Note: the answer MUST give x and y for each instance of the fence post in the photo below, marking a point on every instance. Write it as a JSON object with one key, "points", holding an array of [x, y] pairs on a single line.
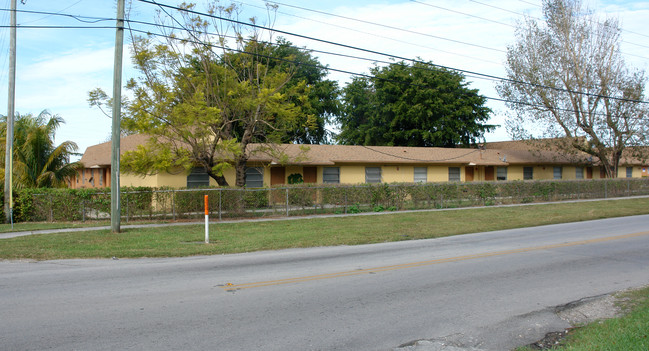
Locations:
{"points": [[127, 209], [220, 202], [51, 209], [628, 187], [287, 202], [606, 188], [83, 210], [173, 205], [345, 205]]}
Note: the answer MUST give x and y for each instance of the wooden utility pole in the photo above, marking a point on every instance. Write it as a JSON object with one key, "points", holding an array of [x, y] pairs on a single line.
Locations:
{"points": [[115, 214], [11, 111]]}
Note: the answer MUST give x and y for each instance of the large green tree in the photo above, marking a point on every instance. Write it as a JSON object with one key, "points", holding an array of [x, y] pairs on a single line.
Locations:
{"points": [[323, 93], [568, 81], [37, 161], [412, 105], [204, 97]]}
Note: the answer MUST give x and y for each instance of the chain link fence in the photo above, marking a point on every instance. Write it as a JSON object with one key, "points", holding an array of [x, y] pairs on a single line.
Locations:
{"points": [[303, 199]]}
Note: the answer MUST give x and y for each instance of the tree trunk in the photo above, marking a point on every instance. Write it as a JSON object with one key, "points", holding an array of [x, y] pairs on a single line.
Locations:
{"points": [[240, 168], [220, 179]]}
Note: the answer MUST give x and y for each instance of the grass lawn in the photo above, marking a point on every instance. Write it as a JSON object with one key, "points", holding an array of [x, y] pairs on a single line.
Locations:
{"points": [[176, 241]]}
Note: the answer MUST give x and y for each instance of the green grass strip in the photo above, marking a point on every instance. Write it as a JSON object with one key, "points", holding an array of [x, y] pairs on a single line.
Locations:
{"points": [[177, 241]]}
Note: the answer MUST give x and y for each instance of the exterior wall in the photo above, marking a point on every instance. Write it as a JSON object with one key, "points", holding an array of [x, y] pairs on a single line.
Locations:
{"points": [[516, 172], [230, 175], [352, 174], [637, 171], [397, 174], [440, 173], [137, 180], [349, 174]]}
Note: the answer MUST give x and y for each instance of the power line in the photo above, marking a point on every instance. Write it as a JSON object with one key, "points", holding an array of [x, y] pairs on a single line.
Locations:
{"points": [[378, 35], [470, 73], [52, 14], [349, 72], [153, 2], [60, 27], [299, 48], [49, 14], [463, 13], [385, 26]]}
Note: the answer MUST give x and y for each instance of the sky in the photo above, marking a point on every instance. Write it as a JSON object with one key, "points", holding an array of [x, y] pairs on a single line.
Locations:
{"points": [[57, 67]]}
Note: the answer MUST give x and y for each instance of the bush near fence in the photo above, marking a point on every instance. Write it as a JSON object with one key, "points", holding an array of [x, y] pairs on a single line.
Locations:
{"points": [[138, 203]]}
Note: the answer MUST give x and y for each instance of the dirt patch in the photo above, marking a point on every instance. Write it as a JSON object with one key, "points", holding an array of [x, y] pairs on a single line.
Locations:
{"points": [[580, 313], [550, 340]]}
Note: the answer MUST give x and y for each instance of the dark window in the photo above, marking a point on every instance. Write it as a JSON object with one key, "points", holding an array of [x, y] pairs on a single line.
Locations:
{"points": [[254, 177], [501, 173], [421, 175], [198, 178], [528, 173], [331, 175], [579, 173], [558, 172], [629, 172], [372, 174], [454, 174]]}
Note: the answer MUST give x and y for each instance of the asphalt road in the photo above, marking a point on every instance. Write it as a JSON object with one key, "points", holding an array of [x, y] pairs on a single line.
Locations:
{"points": [[489, 291]]}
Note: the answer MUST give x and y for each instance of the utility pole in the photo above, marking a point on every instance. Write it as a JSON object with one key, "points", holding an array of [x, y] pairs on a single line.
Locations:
{"points": [[11, 111], [115, 214]]}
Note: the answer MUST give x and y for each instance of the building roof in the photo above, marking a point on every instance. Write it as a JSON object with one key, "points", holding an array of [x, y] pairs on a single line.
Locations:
{"points": [[99, 155], [508, 153], [633, 155]]}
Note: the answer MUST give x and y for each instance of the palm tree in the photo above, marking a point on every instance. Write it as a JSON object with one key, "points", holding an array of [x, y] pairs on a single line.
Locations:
{"points": [[38, 163]]}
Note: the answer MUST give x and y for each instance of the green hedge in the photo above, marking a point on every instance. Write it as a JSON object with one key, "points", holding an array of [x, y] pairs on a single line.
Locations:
{"points": [[167, 203]]}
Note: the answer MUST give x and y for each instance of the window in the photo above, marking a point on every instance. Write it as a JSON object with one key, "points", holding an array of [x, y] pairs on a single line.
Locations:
{"points": [[421, 174], [528, 173], [501, 173], [254, 177], [629, 172], [331, 175], [372, 174], [558, 172], [579, 173], [198, 178], [454, 174]]}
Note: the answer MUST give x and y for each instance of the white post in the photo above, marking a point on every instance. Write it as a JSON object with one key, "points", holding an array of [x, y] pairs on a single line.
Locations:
{"points": [[207, 225]]}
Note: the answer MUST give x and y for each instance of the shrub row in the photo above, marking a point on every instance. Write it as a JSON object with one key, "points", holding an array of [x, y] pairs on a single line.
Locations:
{"points": [[166, 203]]}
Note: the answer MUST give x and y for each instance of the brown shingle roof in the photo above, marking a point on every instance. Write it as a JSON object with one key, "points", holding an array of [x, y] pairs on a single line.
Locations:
{"points": [[99, 155]]}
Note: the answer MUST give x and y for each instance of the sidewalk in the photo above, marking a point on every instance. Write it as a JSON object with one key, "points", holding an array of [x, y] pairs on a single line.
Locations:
{"points": [[7, 235]]}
